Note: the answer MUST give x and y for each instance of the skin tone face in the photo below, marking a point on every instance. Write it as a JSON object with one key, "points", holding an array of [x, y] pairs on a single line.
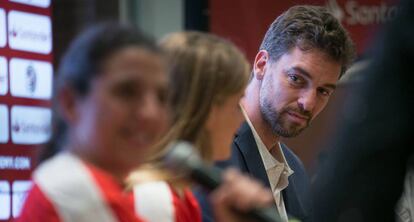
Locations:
{"points": [[225, 118], [123, 114], [295, 89]]}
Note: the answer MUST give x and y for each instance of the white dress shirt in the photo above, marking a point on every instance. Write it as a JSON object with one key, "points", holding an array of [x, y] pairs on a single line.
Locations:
{"points": [[405, 206], [276, 171]]}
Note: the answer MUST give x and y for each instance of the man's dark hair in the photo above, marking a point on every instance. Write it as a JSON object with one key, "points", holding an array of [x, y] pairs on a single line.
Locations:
{"points": [[309, 27]]}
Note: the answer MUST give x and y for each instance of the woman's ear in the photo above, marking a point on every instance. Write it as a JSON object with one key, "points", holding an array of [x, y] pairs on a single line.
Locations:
{"points": [[66, 100]]}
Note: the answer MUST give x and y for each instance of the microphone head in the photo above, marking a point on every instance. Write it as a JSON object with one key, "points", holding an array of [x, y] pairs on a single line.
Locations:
{"points": [[182, 157]]}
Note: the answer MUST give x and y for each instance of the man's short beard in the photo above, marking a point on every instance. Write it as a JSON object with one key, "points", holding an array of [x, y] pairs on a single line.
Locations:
{"points": [[275, 121]]}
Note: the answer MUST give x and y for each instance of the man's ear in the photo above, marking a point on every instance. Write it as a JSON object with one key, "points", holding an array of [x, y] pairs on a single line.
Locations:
{"points": [[259, 66], [67, 104]]}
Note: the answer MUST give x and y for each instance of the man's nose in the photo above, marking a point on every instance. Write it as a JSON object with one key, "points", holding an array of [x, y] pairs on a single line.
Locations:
{"points": [[307, 101]]}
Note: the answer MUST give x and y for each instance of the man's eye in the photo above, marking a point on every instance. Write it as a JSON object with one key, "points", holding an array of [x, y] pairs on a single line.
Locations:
{"points": [[295, 79], [324, 92]]}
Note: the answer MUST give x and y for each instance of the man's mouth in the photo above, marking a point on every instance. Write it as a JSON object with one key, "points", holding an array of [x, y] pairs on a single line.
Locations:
{"points": [[298, 116]]}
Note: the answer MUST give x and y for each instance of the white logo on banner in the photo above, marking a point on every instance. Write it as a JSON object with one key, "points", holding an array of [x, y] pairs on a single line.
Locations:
{"points": [[4, 124], [20, 191], [4, 200], [15, 163], [30, 125], [2, 28], [3, 76], [356, 14], [31, 78], [30, 32], [38, 3]]}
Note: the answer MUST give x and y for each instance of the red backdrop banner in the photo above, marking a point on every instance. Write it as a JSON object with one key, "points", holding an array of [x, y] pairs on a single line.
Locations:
{"points": [[26, 76], [245, 22]]}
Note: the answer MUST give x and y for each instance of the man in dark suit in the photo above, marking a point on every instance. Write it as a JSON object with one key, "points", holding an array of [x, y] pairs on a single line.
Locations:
{"points": [[249, 160], [301, 58]]}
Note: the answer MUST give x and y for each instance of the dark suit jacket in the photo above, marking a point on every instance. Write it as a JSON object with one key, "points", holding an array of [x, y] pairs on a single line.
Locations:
{"points": [[246, 157]]}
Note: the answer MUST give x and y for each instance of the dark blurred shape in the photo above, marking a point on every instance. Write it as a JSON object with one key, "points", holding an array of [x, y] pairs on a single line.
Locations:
{"points": [[362, 178], [196, 15], [72, 16]]}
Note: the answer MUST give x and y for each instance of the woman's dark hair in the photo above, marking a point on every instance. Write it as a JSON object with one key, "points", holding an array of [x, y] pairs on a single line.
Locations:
{"points": [[82, 62]]}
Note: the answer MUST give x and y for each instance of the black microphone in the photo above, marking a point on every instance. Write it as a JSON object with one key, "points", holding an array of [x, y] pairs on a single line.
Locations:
{"points": [[182, 157]]}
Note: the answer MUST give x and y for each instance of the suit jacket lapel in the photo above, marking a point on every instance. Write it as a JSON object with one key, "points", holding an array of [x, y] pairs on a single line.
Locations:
{"points": [[290, 194], [292, 202], [250, 159]]}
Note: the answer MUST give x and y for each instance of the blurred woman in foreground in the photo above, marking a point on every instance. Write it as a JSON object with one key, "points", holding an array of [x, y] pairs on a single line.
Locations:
{"points": [[110, 95]]}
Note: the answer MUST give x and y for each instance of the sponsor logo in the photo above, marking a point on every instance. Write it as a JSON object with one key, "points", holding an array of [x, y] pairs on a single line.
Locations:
{"points": [[354, 13], [31, 78], [3, 76], [2, 28], [30, 32], [4, 200], [20, 191], [38, 3], [30, 125], [4, 124], [15, 163]]}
